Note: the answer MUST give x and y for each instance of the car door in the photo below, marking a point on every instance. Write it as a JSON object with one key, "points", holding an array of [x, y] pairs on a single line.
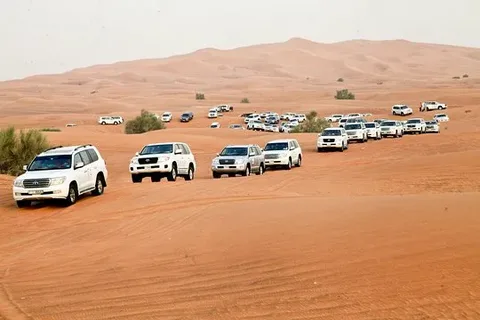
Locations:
{"points": [[253, 158], [80, 174], [259, 155], [344, 136], [89, 177], [180, 158]]}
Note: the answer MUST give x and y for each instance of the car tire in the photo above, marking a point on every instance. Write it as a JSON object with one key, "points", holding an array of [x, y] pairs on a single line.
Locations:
{"points": [[23, 203], [72, 195], [247, 171], [216, 175], [261, 170], [155, 177], [289, 165], [103, 123], [299, 161], [99, 186], [172, 176], [190, 174], [136, 178]]}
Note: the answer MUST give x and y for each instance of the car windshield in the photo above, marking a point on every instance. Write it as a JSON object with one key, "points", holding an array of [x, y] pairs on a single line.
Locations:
{"points": [[234, 151], [166, 114], [370, 125], [276, 146], [57, 162], [353, 126], [440, 115], [157, 149], [388, 124], [330, 133], [431, 122], [185, 115], [413, 121]]}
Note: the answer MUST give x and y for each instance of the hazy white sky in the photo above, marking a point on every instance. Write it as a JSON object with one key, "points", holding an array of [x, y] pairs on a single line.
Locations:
{"points": [[51, 36]]}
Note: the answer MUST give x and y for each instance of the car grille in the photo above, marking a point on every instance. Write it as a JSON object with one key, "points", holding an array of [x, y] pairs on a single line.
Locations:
{"points": [[350, 133], [36, 183], [272, 156], [147, 160], [329, 140], [411, 126], [226, 161]]}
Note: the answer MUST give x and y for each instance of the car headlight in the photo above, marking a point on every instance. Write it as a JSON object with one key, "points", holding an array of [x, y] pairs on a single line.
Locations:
{"points": [[239, 161], [163, 158], [57, 181], [215, 161], [134, 161], [18, 183]]}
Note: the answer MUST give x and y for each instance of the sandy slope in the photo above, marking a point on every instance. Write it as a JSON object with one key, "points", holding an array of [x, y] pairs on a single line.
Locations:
{"points": [[387, 230]]}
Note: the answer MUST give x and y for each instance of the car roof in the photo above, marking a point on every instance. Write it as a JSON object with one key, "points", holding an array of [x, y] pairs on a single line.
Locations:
{"points": [[239, 145], [159, 143], [60, 150], [280, 140]]}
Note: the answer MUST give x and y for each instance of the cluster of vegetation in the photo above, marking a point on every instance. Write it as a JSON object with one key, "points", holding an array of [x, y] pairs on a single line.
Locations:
{"points": [[19, 148], [245, 100], [465, 76], [199, 96], [457, 77], [50, 130], [344, 94], [312, 124], [145, 122], [340, 80]]}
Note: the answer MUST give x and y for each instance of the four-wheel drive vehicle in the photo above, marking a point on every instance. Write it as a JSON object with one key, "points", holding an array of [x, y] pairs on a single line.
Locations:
{"points": [[285, 153], [212, 113], [239, 159], [391, 128], [158, 160], [356, 132], [332, 138], [110, 120], [432, 126], [256, 125], [415, 125], [61, 173], [167, 117], [334, 117], [401, 110], [432, 105], [441, 117], [186, 116], [252, 117], [373, 130]]}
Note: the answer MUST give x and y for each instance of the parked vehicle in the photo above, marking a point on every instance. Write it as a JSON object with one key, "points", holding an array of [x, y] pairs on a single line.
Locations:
{"points": [[432, 105], [159, 160], [212, 113], [284, 153], [356, 132], [61, 173], [415, 125], [238, 159], [215, 125], [167, 116], [334, 117], [112, 120], [237, 127], [401, 110], [441, 117], [256, 125], [186, 117], [252, 117], [432, 126]]}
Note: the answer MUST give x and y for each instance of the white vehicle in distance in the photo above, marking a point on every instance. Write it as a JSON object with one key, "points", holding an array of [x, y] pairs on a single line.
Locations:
{"points": [[215, 125], [432, 105], [283, 153], [334, 117], [441, 117], [236, 127], [354, 115], [252, 117], [114, 120], [332, 138], [401, 110], [300, 117], [159, 160], [256, 125], [432, 126], [373, 130], [342, 122], [392, 128], [356, 132], [167, 116], [287, 127], [61, 173], [213, 113], [287, 116], [415, 125]]}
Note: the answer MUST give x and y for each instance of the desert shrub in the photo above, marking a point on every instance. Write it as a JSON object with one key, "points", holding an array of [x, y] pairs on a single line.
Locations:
{"points": [[456, 77], [50, 130], [19, 149], [245, 100], [199, 96], [311, 124], [145, 122], [340, 80], [465, 76], [344, 94]]}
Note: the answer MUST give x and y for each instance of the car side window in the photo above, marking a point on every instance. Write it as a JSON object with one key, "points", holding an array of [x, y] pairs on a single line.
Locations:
{"points": [[251, 150], [295, 143], [184, 149], [93, 155], [77, 159], [177, 147], [258, 151], [85, 157]]}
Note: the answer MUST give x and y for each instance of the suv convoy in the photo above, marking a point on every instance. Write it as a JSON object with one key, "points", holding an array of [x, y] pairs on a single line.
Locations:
{"points": [[415, 125], [285, 153], [61, 173], [401, 110], [332, 138], [110, 120], [159, 160], [239, 159], [432, 105], [356, 132], [373, 130], [392, 128]]}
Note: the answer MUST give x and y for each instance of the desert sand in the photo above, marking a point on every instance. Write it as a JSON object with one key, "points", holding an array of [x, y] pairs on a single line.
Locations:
{"points": [[389, 229]]}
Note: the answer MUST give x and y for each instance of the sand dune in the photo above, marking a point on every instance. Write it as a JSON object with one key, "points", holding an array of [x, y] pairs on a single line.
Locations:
{"points": [[386, 230]]}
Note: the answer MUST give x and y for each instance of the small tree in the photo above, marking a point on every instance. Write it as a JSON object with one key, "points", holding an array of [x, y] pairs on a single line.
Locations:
{"points": [[145, 122], [340, 80], [311, 124], [344, 94], [17, 150], [456, 77], [465, 76], [245, 100], [199, 96]]}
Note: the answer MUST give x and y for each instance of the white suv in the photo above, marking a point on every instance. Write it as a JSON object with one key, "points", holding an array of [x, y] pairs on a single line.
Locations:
{"points": [[256, 125], [415, 125], [110, 120], [158, 160], [61, 173], [432, 105], [356, 131], [167, 116], [401, 110], [392, 128], [332, 138], [285, 153], [373, 130]]}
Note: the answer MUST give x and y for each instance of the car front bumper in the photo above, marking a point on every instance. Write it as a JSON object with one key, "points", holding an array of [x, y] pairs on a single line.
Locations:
{"points": [[335, 144], [228, 168], [277, 162], [37, 194], [162, 167], [388, 132]]}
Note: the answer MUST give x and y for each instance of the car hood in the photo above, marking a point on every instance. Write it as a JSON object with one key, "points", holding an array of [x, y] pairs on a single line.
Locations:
{"points": [[230, 157], [43, 174], [274, 151]]}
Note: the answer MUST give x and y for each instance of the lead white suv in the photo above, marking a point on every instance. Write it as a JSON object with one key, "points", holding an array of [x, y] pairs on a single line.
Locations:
{"points": [[158, 160], [332, 138], [432, 105], [110, 120], [401, 110], [415, 125], [61, 173], [285, 153]]}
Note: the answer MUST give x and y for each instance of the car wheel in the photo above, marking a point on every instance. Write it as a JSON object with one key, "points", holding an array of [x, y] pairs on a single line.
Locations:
{"points": [[289, 165], [23, 203], [216, 175], [246, 173], [103, 123], [299, 161], [99, 186], [172, 176], [136, 178], [72, 195], [115, 123], [260, 170], [190, 174], [155, 177]]}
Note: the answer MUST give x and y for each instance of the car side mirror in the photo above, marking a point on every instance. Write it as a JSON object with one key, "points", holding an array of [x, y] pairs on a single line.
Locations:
{"points": [[218, 154], [262, 150], [252, 154], [24, 168], [79, 165], [292, 148], [137, 154]]}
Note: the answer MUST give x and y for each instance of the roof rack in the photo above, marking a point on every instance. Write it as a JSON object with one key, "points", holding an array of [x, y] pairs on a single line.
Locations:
{"points": [[82, 146], [56, 147]]}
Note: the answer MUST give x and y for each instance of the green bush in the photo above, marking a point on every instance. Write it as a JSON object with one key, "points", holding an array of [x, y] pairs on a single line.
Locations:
{"points": [[340, 80], [465, 75], [145, 122], [50, 130], [17, 150], [312, 124], [456, 77], [245, 100], [344, 94], [199, 96]]}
